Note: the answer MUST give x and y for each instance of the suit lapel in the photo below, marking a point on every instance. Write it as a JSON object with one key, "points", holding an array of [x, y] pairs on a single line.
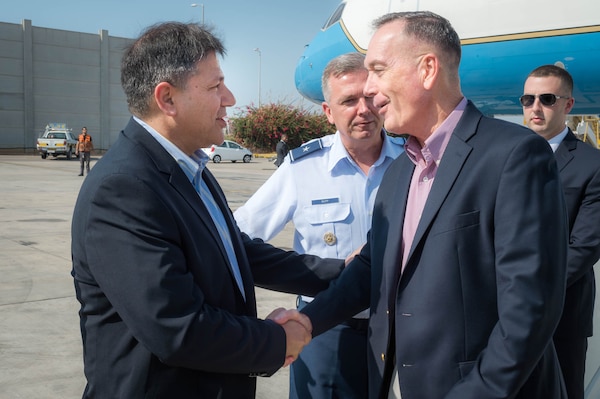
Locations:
{"points": [[453, 159], [166, 165], [398, 176], [180, 183], [236, 240], [563, 153]]}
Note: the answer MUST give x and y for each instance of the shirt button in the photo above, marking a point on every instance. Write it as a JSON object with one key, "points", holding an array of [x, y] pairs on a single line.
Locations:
{"points": [[329, 238], [426, 179]]}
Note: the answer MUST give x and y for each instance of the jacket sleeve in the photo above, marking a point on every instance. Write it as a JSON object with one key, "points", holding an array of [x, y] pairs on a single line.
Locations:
{"points": [[584, 240]]}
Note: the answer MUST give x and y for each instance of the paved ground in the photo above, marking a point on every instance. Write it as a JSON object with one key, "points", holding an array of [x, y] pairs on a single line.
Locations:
{"points": [[40, 344]]}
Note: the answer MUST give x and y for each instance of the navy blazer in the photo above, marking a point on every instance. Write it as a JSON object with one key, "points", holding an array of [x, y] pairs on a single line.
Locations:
{"points": [[579, 167], [473, 314], [161, 314]]}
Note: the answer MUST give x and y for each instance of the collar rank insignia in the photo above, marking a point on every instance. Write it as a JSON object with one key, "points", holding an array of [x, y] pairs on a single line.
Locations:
{"points": [[305, 149]]}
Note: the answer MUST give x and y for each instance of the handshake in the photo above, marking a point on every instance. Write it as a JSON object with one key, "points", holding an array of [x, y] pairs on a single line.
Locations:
{"points": [[298, 331]]}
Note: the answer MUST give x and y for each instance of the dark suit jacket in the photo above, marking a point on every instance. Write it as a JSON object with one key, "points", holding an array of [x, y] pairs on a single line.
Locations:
{"points": [[473, 313], [161, 314], [282, 150], [579, 167]]}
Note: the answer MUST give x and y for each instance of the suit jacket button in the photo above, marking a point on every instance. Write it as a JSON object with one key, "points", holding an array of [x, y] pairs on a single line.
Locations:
{"points": [[383, 357]]}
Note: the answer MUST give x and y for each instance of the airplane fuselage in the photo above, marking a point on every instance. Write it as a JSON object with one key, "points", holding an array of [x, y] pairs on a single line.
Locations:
{"points": [[502, 42]]}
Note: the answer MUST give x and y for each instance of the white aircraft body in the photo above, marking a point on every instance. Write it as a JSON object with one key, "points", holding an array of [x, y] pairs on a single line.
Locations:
{"points": [[503, 40]]}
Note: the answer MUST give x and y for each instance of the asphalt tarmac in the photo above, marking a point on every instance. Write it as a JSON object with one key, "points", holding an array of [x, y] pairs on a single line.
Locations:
{"points": [[40, 342]]}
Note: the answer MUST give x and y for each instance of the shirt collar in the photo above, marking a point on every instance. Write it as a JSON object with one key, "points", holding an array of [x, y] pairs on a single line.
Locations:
{"points": [[191, 165], [436, 144], [339, 152], [556, 140]]}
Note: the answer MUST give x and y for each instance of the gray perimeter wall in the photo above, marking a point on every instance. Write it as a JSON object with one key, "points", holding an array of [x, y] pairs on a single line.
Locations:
{"points": [[51, 75]]}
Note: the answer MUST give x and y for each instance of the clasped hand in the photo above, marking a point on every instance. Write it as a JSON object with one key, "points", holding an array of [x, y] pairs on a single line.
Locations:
{"points": [[298, 331]]}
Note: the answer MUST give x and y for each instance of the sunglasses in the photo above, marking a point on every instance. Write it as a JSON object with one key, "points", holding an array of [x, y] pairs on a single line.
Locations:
{"points": [[548, 100]]}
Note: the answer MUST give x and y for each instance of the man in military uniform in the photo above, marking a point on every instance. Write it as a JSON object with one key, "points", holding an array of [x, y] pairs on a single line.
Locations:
{"points": [[327, 187], [84, 149]]}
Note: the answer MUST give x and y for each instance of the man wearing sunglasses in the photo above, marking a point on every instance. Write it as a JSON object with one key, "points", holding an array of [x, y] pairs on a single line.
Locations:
{"points": [[546, 103]]}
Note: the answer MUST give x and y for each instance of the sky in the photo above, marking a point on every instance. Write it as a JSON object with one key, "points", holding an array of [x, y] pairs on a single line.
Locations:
{"points": [[279, 28]]}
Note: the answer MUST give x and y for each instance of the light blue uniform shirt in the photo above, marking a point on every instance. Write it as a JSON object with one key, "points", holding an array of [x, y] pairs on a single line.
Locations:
{"points": [[325, 194]]}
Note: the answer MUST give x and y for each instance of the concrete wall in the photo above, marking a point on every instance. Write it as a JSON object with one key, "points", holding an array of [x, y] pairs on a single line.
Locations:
{"points": [[51, 75]]}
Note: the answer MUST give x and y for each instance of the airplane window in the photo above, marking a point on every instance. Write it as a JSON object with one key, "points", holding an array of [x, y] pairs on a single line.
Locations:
{"points": [[337, 14]]}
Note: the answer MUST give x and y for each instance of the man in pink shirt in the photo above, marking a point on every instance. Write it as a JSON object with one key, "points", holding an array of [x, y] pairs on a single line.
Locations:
{"points": [[463, 269]]}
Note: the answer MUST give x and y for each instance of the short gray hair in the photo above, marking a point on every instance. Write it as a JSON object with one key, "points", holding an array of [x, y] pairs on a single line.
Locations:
{"points": [[430, 28], [341, 65]]}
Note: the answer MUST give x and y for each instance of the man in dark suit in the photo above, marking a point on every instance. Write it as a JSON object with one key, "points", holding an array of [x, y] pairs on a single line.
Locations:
{"points": [[547, 100], [463, 269], [164, 277], [281, 149]]}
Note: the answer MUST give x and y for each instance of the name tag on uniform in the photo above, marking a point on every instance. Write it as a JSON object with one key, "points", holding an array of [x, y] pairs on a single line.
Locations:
{"points": [[325, 201]]}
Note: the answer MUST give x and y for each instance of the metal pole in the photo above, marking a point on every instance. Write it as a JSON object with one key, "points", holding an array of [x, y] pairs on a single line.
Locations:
{"points": [[259, 73], [199, 5]]}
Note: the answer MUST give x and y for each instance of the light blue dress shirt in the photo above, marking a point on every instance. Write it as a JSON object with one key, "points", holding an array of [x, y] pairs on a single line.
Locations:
{"points": [[325, 194]]}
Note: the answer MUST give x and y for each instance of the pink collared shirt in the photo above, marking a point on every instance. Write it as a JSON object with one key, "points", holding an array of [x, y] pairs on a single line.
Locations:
{"points": [[427, 160]]}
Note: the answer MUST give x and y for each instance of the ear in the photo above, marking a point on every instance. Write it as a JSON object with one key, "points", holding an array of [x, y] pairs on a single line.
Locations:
{"points": [[163, 96], [327, 111], [569, 105], [429, 69]]}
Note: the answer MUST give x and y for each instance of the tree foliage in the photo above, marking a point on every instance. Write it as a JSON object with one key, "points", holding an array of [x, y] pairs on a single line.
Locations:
{"points": [[260, 128]]}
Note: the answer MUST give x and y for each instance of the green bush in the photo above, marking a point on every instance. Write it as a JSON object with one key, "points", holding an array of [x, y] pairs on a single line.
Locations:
{"points": [[260, 128]]}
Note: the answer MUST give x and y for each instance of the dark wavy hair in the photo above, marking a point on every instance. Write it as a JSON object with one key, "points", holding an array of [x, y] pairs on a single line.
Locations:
{"points": [[165, 52]]}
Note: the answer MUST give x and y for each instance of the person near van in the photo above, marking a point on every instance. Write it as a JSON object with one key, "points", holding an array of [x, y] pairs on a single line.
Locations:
{"points": [[84, 150]]}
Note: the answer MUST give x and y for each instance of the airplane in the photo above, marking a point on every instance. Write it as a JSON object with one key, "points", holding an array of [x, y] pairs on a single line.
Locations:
{"points": [[502, 41]]}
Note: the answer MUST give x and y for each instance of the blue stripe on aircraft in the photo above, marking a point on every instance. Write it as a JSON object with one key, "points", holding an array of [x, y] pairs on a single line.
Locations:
{"points": [[492, 73]]}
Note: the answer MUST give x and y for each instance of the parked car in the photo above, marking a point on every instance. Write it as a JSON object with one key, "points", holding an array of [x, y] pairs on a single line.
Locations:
{"points": [[228, 151]]}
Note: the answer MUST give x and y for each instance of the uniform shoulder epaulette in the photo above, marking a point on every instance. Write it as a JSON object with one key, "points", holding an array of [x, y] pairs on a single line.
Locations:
{"points": [[305, 149]]}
